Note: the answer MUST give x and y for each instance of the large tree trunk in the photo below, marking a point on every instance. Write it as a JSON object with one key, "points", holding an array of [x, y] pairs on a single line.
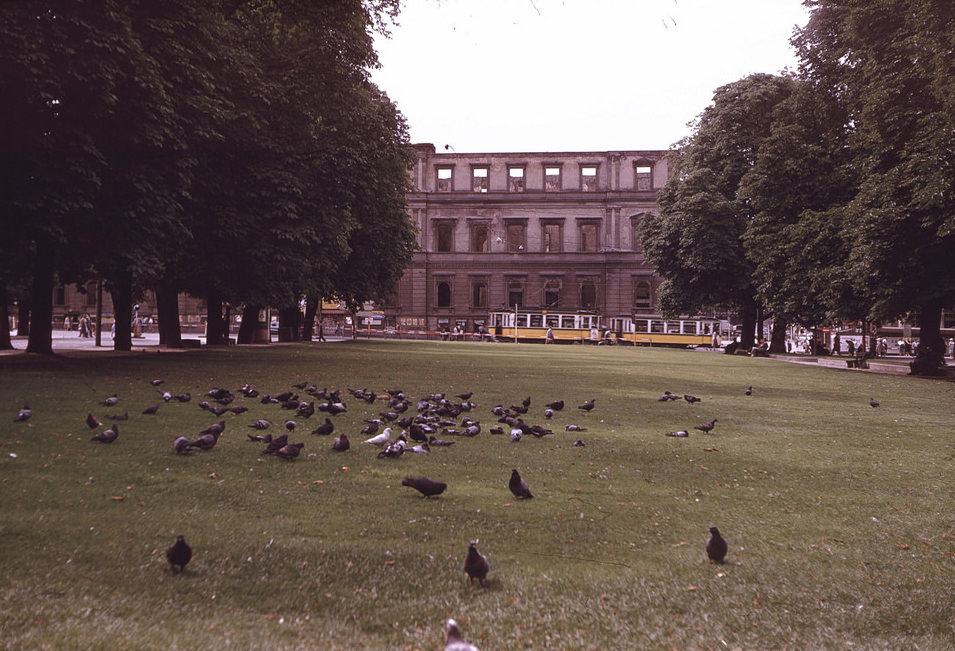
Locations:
{"points": [[777, 343], [311, 308], [215, 325], [748, 316], [931, 355], [290, 323], [41, 294], [23, 317], [5, 342], [250, 319], [121, 289], [167, 304]]}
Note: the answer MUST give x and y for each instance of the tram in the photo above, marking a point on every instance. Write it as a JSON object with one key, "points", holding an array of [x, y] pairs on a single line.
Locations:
{"points": [[588, 327]]}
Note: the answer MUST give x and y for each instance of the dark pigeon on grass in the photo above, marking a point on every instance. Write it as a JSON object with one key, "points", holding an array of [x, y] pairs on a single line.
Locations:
{"points": [[557, 405], [23, 415], [575, 428], [476, 564], [183, 397], [122, 416], [107, 435], [325, 428], [237, 409], [341, 443], [518, 486], [425, 486], [182, 445], [716, 546], [276, 444], [706, 428], [306, 409], [260, 438], [749, 391], [455, 641], [465, 396], [290, 425], [691, 399], [873, 402], [261, 423], [587, 406], [92, 421], [667, 397], [109, 402], [579, 443], [206, 441], [151, 409], [215, 428], [289, 451], [179, 554], [439, 442]]}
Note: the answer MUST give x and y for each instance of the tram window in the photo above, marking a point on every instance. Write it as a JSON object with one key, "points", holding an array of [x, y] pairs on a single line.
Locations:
{"points": [[552, 321], [536, 320], [641, 325], [566, 322], [689, 327], [673, 327], [521, 320], [656, 326]]}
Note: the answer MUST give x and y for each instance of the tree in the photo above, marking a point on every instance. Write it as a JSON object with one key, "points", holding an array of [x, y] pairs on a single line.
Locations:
{"points": [[696, 242], [891, 65]]}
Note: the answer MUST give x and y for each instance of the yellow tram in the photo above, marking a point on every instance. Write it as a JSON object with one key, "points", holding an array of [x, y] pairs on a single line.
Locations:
{"points": [[529, 326]]}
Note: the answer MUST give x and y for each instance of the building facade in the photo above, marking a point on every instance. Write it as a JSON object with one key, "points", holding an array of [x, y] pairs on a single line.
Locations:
{"points": [[533, 231]]}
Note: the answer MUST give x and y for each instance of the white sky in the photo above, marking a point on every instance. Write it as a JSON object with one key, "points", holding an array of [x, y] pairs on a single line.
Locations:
{"points": [[574, 75]]}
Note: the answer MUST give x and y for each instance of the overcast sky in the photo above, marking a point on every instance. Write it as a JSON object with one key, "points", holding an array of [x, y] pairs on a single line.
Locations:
{"points": [[574, 75]]}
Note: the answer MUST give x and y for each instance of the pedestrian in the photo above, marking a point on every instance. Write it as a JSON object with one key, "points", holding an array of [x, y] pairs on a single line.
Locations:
{"points": [[321, 331], [851, 347], [549, 337], [836, 344]]}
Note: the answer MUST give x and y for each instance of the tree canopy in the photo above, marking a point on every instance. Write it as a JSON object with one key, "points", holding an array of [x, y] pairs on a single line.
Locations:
{"points": [[233, 148]]}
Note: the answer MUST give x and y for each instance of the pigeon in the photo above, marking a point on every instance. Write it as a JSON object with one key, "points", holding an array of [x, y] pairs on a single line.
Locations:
{"points": [[455, 641], [260, 424], [575, 428], [476, 564], [107, 436], [716, 546], [557, 405], [587, 406], [370, 429], [749, 391], [873, 402], [439, 442], [425, 486], [215, 428], [465, 396], [706, 428], [290, 425], [156, 383], [237, 409], [691, 399], [179, 554], [182, 445], [166, 396], [680, 433], [183, 397], [518, 486], [548, 413], [668, 396], [424, 448], [122, 416], [306, 409], [579, 443], [92, 421], [324, 429], [206, 441], [301, 385], [380, 440], [516, 435], [109, 402], [289, 451], [151, 409], [260, 438], [340, 444]]}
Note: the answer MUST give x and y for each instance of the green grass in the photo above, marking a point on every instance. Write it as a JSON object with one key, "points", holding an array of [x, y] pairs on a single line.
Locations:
{"points": [[838, 515]]}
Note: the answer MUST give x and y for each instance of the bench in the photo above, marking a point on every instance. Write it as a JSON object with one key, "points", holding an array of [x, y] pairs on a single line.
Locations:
{"points": [[857, 362]]}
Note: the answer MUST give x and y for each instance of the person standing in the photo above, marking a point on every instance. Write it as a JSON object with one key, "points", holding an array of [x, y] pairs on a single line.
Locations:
{"points": [[321, 331], [549, 337]]}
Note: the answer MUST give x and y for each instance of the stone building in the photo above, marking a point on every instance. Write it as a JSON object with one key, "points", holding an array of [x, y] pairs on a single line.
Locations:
{"points": [[539, 231]]}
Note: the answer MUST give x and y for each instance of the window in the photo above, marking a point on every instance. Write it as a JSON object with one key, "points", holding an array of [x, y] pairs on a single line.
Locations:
{"points": [[515, 293], [641, 294], [588, 178], [479, 238], [552, 293], [515, 178], [551, 237], [444, 294], [516, 235], [588, 294], [445, 179], [479, 179], [587, 240], [444, 237], [551, 178], [643, 175], [635, 243], [479, 293]]}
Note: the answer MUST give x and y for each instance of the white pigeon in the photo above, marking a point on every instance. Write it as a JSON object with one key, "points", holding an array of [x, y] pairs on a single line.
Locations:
{"points": [[380, 440], [424, 448], [516, 435], [455, 641]]}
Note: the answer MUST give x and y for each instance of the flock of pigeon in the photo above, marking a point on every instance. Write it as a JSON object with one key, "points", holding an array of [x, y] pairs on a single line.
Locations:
{"points": [[433, 424]]}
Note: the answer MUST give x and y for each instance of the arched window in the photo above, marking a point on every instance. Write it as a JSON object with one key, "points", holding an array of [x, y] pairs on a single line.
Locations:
{"points": [[515, 293], [588, 295], [444, 294]]}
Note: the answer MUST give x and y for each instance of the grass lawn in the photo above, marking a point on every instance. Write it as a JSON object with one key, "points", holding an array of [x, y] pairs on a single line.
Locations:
{"points": [[838, 515]]}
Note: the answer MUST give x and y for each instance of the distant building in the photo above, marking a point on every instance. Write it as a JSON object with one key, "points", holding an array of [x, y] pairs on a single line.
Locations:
{"points": [[537, 231]]}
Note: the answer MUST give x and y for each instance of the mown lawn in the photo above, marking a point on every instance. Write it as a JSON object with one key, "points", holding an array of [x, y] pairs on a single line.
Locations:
{"points": [[838, 515]]}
